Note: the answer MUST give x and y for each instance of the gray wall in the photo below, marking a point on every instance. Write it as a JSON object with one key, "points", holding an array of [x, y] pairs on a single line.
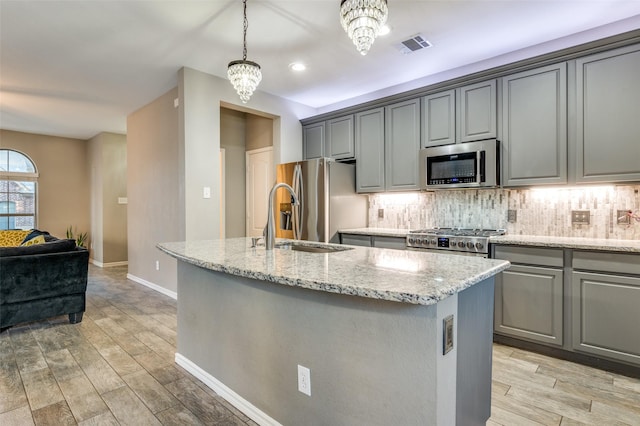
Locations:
{"points": [[259, 132], [362, 352], [107, 154], [172, 153], [153, 184], [63, 185]]}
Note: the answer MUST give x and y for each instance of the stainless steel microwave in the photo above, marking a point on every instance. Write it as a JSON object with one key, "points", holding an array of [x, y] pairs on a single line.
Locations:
{"points": [[462, 165]]}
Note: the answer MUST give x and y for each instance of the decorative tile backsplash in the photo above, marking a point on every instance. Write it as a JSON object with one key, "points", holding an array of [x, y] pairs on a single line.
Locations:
{"points": [[539, 211]]}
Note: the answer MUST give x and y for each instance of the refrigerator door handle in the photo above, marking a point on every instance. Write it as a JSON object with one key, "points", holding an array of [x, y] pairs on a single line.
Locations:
{"points": [[299, 190]]}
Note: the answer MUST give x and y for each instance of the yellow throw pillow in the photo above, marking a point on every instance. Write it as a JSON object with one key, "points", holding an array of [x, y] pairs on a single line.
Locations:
{"points": [[35, 240], [12, 237]]}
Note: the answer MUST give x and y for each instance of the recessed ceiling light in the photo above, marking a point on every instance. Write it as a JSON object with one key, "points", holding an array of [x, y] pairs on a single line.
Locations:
{"points": [[297, 66], [384, 30]]}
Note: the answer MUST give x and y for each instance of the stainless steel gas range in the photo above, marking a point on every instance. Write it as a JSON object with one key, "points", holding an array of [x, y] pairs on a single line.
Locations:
{"points": [[473, 242]]}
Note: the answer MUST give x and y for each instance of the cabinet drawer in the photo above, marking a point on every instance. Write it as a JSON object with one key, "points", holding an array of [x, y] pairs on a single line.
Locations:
{"points": [[356, 240], [606, 315], [397, 243], [530, 255], [607, 262]]}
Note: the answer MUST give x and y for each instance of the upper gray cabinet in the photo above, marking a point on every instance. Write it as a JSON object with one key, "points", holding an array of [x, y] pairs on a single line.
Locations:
{"points": [[313, 141], [438, 119], [369, 134], [534, 126], [340, 138], [402, 144], [476, 112], [607, 116], [387, 145], [332, 138]]}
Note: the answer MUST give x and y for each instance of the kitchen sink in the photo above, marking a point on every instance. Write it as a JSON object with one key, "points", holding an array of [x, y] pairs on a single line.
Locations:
{"points": [[311, 248]]}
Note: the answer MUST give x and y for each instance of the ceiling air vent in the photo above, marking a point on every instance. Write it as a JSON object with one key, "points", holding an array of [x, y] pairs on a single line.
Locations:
{"points": [[416, 42]]}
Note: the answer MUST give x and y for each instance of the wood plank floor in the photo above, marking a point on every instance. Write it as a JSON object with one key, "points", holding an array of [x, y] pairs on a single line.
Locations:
{"points": [[117, 367]]}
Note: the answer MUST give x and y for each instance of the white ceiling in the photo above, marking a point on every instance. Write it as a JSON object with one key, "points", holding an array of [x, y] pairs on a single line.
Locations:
{"points": [[75, 68]]}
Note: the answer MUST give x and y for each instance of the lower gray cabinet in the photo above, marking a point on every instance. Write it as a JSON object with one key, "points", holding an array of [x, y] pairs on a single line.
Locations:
{"points": [[529, 296], [606, 305], [355, 240], [529, 303], [380, 241]]}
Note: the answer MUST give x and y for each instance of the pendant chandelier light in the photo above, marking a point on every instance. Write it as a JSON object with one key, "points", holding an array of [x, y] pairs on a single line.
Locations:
{"points": [[362, 20], [244, 75]]}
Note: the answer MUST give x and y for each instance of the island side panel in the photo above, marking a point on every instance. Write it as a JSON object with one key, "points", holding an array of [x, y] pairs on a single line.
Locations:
{"points": [[372, 362], [475, 346]]}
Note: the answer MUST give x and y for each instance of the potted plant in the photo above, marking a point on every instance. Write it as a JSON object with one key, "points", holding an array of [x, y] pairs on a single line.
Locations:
{"points": [[81, 238]]}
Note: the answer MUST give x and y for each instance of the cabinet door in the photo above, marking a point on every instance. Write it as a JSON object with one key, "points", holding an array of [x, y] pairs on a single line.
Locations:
{"points": [[534, 134], [370, 150], [476, 112], [528, 303], [608, 128], [402, 144], [438, 119], [606, 315], [313, 141], [340, 138]]}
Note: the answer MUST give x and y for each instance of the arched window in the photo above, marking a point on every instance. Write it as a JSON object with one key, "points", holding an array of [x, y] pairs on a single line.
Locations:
{"points": [[18, 186]]}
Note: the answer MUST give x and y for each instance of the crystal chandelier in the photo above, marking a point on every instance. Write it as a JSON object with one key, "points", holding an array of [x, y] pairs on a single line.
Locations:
{"points": [[362, 20], [244, 75]]}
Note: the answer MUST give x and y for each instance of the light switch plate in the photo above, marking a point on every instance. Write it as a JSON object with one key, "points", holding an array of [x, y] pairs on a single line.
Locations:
{"points": [[380, 213], [206, 192], [580, 217], [512, 216], [622, 217]]}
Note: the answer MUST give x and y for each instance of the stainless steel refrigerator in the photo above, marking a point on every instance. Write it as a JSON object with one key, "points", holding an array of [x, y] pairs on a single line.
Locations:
{"points": [[328, 200]]}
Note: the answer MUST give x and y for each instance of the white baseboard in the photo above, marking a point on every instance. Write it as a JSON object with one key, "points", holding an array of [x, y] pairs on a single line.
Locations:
{"points": [[110, 264], [156, 287], [250, 410]]}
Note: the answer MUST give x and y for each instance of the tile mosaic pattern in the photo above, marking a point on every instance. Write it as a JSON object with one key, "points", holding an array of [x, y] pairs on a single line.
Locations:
{"points": [[540, 211]]}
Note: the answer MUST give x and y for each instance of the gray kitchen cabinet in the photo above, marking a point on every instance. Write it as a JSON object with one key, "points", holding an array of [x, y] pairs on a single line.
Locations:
{"points": [[383, 241], [529, 297], [606, 296], [402, 144], [356, 240], [370, 150], [607, 124], [313, 141], [438, 119], [476, 112], [534, 126], [380, 241], [340, 138]]}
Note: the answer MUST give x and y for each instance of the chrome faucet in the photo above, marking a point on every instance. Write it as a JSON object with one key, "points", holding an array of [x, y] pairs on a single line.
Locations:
{"points": [[269, 230]]}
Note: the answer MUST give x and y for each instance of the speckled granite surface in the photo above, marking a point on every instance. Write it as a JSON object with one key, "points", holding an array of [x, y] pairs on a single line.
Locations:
{"points": [[382, 232], [395, 275], [628, 246]]}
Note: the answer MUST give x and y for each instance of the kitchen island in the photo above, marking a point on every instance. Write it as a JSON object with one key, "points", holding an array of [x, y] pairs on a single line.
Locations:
{"points": [[366, 322]]}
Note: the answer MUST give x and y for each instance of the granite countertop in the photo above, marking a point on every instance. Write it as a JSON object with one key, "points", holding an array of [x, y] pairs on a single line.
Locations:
{"points": [[382, 232], [395, 275], [601, 244]]}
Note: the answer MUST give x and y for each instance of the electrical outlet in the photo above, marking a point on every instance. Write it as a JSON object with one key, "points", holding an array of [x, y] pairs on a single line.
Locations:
{"points": [[512, 216], [157, 265], [448, 334], [380, 213], [304, 380], [580, 217], [623, 218]]}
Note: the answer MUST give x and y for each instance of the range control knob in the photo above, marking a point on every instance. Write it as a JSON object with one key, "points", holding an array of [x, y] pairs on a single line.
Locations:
{"points": [[411, 240], [470, 245], [460, 243], [479, 246], [432, 241]]}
